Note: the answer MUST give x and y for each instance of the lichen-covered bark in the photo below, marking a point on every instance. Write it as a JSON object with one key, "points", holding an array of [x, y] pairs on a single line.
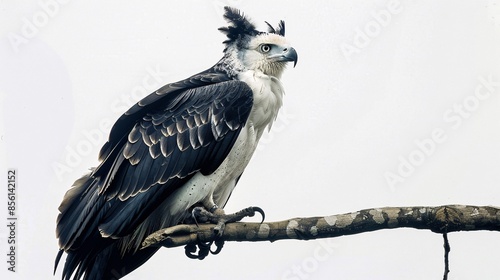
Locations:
{"points": [[441, 219]]}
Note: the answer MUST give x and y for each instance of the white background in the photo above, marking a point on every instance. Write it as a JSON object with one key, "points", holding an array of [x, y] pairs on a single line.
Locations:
{"points": [[67, 68]]}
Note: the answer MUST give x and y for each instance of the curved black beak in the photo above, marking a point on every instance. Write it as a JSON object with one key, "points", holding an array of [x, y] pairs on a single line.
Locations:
{"points": [[289, 54]]}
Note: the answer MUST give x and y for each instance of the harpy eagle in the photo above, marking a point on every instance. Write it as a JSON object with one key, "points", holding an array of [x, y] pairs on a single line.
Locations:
{"points": [[175, 156]]}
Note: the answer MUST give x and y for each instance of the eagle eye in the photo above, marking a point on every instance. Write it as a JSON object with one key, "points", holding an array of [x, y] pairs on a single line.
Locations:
{"points": [[265, 48]]}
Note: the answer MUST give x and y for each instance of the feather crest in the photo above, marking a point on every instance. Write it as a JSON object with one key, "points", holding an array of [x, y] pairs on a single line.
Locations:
{"points": [[240, 26]]}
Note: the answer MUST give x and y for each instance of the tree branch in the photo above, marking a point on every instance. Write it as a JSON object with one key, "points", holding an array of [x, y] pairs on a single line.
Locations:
{"points": [[441, 219], [446, 256]]}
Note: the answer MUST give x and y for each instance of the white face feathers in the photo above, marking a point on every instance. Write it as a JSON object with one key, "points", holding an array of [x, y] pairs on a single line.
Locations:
{"points": [[264, 53], [250, 50]]}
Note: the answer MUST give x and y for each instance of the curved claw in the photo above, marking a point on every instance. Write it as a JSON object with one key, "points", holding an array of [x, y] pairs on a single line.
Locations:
{"points": [[202, 248], [260, 211], [189, 250], [219, 244], [197, 213]]}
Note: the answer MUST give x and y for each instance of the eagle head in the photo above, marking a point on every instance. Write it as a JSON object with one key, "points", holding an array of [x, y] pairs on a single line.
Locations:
{"points": [[250, 49]]}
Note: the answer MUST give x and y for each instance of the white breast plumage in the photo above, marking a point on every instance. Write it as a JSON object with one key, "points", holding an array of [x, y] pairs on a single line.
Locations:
{"points": [[268, 95], [268, 98]]}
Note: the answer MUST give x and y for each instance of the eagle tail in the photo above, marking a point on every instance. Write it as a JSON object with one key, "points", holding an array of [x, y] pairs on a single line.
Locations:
{"points": [[89, 255], [109, 263]]}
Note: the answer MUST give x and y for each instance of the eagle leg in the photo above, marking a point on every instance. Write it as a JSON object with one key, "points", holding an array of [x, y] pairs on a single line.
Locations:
{"points": [[219, 218]]}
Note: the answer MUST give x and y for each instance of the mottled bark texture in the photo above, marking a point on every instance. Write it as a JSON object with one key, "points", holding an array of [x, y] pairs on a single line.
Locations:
{"points": [[440, 219]]}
